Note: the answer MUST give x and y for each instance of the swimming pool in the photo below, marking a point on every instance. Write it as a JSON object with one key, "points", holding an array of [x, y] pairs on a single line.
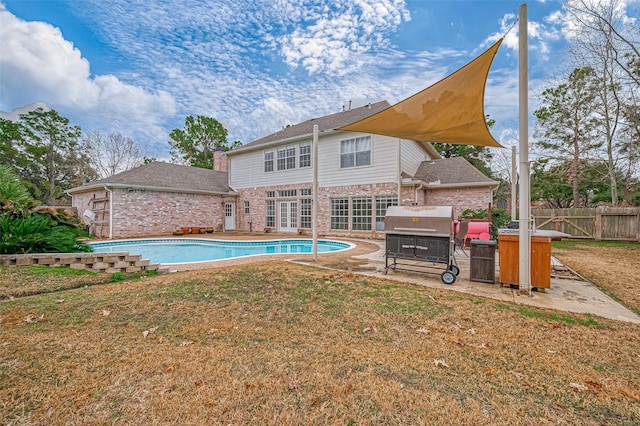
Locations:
{"points": [[193, 250]]}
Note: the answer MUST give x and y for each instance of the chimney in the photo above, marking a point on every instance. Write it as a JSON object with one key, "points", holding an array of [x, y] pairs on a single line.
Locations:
{"points": [[220, 160], [349, 105]]}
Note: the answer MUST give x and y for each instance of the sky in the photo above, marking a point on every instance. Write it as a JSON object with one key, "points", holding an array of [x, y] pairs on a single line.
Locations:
{"points": [[139, 68]]}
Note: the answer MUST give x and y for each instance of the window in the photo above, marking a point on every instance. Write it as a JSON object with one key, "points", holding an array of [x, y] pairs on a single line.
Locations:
{"points": [[305, 213], [305, 192], [339, 213], [305, 155], [361, 213], [287, 193], [246, 207], [271, 194], [270, 219], [355, 152], [268, 161], [381, 209], [287, 158]]}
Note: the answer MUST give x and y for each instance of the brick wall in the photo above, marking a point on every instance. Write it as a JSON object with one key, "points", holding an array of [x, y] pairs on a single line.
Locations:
{"points": [[141, 213], [461, 199], [257, 205]]}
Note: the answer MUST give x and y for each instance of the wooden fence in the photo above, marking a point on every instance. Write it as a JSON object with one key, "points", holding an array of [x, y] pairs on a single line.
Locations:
{"points": [[599, 223]]}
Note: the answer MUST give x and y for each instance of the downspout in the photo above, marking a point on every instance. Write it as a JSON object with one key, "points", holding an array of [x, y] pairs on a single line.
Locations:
{"points": [[110, 211], [415, 193]]}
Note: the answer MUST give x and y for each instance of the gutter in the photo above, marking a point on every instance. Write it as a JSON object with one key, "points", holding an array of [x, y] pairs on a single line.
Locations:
{"points": [[425, 185], [90, 187], [106, 188]]}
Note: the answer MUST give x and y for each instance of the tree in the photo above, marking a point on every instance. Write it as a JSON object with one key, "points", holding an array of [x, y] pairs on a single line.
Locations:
{"points": [[112, 153], [11, 144], [15, 200], [616, 33], [607, 42], [52, 150], [198, 141], [630, 151], [566, 123], [479, 156]]}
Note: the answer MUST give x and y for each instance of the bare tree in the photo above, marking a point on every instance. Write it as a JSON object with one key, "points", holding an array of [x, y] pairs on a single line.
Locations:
{"points": [[608, 45], [112, 153], [618, 33]]}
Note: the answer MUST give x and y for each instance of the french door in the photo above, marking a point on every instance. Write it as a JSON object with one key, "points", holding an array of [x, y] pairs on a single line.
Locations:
{"points": [[288, 216]]}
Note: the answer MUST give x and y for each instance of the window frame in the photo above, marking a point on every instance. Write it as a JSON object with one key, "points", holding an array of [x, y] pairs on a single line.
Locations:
{"points": [[350, 152], [269, 164], [287, 160], [361, 213], [386, 201], [339, 222], [306, 147]]}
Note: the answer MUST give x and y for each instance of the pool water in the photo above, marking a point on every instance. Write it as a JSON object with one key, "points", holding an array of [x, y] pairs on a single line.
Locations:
{"points": [[172, 250]]}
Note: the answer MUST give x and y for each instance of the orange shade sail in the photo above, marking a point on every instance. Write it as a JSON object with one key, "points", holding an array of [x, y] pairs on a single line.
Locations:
{"points": [[449, 111]]}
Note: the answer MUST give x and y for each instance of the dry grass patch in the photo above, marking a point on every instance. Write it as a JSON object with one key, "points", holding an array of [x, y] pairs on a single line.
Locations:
{"points": [[279, 343], [29, 280], [614, 267]]}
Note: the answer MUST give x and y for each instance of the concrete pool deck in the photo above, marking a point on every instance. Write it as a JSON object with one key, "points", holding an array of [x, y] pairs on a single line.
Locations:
{"points": [[569, 292]]}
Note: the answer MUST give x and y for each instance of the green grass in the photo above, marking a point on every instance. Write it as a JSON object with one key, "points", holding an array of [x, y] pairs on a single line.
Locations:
{"points": [[41, 270], [570, 244]]}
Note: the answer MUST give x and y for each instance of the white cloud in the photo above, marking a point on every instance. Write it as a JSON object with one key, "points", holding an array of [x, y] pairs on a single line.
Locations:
{"points": [[37, 64], [336, 39], [14, 114]]}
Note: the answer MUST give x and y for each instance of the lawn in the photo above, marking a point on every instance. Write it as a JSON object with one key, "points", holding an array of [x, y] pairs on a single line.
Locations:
{"points": [[281, 343], [612, 266]]}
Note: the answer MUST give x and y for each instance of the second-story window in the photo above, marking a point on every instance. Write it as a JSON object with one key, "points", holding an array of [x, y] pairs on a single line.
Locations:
{"points": [[268, 161], [305, 155], [287, 158], [355, 152]]}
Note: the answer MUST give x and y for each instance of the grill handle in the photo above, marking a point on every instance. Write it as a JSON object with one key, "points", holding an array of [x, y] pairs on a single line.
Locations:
{"points": [[396, 228]]}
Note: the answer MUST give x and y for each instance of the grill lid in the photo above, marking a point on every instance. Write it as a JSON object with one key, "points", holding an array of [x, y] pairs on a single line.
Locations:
{"points": [[419, 220]]}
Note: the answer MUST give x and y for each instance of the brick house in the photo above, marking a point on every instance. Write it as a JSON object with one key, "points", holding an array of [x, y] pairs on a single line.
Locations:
{"points": [[267, 185], [359, 176], [156, 199]]}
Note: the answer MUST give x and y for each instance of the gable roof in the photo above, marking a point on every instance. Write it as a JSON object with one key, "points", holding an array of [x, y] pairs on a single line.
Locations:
{"points": [[451, 172], [166, 177], [326, 123]]}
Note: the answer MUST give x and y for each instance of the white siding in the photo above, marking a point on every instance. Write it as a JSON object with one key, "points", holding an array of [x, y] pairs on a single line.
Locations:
{"points": [[384, 156], [247, 170], [411, 155]]}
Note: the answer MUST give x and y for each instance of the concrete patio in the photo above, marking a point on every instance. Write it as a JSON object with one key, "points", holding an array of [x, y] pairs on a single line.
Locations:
{"points": [[569, 292]]}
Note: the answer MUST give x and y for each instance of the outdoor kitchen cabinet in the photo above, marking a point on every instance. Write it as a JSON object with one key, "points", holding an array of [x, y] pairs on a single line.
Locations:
{"points": [[509, 252]]}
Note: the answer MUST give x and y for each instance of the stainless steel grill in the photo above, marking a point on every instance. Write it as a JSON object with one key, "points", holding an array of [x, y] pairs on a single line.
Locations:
{"points": [[421, 234]]}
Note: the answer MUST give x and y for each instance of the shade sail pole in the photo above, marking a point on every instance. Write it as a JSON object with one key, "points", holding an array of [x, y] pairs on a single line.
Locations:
{"points": [[514, 185], [525, 197], [314, 216]]}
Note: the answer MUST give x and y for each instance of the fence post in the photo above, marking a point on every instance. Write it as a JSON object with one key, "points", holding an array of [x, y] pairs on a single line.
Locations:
{"points": [[597, 225]]}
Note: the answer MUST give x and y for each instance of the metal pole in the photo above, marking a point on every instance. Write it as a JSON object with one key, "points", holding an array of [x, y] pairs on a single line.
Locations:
{"points": [[314, 202], [525, 197], [514, 185]]}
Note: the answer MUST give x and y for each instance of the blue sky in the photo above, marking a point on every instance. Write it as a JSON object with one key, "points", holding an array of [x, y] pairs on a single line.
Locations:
{"points": [[140, 67]]}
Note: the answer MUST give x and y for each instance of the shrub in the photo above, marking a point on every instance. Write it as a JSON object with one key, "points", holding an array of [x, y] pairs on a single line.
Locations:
{"points": [[499, 218], [38, 234]]}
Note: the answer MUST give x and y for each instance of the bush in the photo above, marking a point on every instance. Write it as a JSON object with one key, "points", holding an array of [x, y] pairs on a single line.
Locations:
{"points": [[38, 234], [499, 218]]}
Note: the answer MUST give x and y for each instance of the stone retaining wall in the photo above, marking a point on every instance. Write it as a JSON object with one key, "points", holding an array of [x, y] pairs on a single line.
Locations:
{"points": [[96, 262]]}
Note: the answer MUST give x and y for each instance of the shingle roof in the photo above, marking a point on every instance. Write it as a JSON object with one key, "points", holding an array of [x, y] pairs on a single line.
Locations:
{"points": [[451, 171], [328, 122], [165, 176]]}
